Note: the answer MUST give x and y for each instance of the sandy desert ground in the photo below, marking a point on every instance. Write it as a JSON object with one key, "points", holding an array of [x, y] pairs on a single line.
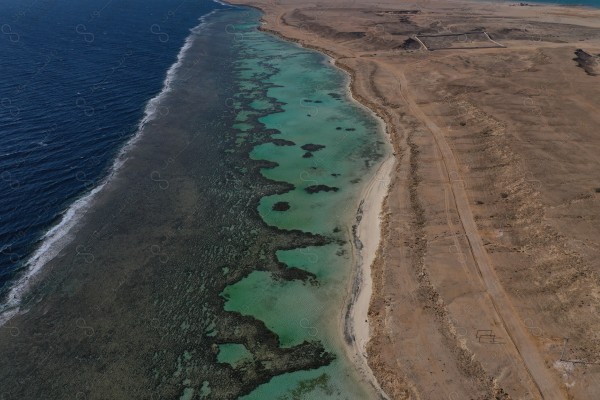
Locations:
{"points": [[485, 284]]}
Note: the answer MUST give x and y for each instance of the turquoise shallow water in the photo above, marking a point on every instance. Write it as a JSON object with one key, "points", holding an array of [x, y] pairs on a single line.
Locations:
{"points": [[323, 140]]}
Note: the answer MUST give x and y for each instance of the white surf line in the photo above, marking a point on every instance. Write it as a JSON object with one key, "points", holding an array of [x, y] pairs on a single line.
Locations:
{"points": [[60, 235]]}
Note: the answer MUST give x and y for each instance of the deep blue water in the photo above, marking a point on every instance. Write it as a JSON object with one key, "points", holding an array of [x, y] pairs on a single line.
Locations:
{"points": [[589, 3], [75, 78]]}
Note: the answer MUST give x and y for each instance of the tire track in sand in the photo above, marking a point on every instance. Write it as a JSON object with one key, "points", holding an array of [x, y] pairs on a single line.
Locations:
{"points": [[545, 381]]}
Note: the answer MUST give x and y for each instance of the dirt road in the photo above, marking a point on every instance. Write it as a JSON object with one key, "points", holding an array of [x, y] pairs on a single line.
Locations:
{"points": [[548, 387]]}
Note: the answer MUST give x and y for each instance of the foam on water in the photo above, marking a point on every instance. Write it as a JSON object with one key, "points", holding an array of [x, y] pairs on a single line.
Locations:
{"points": [[57, 237]]}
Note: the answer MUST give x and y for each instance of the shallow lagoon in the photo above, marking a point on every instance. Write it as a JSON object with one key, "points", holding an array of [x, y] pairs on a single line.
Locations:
{"points": [[323, 139]]}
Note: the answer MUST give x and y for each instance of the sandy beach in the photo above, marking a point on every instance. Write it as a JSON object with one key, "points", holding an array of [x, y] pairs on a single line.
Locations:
{"points": [[367, 237], [485, 282]]}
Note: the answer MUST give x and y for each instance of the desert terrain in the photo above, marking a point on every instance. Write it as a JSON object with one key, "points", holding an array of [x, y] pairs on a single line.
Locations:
{"points": [[485, 284]]}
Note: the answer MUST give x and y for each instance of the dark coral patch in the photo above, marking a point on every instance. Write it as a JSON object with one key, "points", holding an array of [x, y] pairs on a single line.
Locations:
{"points": [[320, 188], [312, 147], [282, 142], [281, 206]]}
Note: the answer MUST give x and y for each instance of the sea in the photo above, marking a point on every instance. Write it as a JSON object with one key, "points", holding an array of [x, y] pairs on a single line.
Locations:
{"points": [[179, 193], [77, 76]]}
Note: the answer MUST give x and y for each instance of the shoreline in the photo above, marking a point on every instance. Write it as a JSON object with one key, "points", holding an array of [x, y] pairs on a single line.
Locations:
{"points": [[366, 235], [366, 242]]}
